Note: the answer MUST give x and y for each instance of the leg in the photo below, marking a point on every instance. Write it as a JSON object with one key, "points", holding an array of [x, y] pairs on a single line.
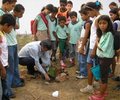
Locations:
{"points": [[1, 92], [29, 62]]}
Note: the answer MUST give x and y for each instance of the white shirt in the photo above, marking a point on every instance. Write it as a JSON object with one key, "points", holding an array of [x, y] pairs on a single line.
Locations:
{"points": [[33, 49], [4, 50], [93, 33]]}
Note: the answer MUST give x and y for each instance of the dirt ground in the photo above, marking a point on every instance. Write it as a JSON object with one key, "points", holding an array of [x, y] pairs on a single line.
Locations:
{"points": [[36, 89]]}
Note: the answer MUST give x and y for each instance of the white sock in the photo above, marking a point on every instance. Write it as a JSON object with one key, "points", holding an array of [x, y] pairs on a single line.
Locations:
{"points": [[90, 86]]}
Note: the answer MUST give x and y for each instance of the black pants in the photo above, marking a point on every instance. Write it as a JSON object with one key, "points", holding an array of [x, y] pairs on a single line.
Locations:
{"points": [[30, 63]]}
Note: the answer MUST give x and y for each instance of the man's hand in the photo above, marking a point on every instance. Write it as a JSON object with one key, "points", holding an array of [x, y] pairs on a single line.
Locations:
{"points": [[3, 73], [47, 77]]}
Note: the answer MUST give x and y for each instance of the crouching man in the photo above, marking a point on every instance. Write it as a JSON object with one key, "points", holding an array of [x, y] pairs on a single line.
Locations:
{"points": [[36, 54]]}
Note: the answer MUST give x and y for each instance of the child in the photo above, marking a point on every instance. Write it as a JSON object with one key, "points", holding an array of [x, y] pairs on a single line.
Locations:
{"points": [[13, 77], [40, 25], [62, 31], [113, 5], [93, 10], [74, 28], [84, 40], [62, 11], [69, 7], [105, 53], [7, 22], [116, 25], [7, 5], [52, 22]]}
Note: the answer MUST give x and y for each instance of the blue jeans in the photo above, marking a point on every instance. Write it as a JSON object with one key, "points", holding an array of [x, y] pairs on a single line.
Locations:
{"points": [[83, 64], [13, 77]]}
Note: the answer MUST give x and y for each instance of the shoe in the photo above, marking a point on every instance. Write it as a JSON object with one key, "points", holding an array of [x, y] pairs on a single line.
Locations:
{"points": [[116, 78], [22, 84], [81, 77], [12, 96], [96, 97], [87, 90], [116, 87], [77, 72]]}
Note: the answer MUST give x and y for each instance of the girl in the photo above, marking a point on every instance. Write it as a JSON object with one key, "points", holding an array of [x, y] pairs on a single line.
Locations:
{"points": [[62, 31], [40, 25], [116, 25], [52, 22], [105, 53], [93, 9], [84, 40]]}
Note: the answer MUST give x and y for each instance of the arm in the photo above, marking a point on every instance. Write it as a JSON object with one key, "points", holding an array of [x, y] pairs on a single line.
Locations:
{"points": [[2, 71], [84, 41], [35, 26]]}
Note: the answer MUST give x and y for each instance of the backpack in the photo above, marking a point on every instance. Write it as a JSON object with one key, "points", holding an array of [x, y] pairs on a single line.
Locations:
{"points": [[44, 20], [116, 40]]}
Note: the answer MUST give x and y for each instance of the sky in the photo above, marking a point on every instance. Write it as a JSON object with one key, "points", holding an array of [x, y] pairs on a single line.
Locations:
{"points": [[33, 7]]}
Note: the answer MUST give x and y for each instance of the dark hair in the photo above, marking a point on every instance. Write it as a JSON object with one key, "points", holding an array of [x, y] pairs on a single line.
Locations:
{"points": [[115, 11], [18, 8], [110, 25], [46, 44], [9, 1], [63, 1], [82, 6], [70, 2], [93, 5], [73, 13], [113, 4], [7, 19], [55, 10], [83, 11], [49, 7], [61, 18]]}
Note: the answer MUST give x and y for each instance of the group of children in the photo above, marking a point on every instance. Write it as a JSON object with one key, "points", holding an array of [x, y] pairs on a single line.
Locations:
{"points": [[9, 22], [89, 39]]}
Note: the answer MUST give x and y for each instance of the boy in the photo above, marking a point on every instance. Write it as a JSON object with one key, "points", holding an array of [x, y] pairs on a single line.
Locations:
{"points": [[13, 77], [52, 22], [74, 34], [62, 31], [6, 24], [7, 5]]}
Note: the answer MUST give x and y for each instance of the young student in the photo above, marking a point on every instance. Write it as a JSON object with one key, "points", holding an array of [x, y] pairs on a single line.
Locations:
{"points": [[113, 5], [40, 25], [7, 22], [62, 31], [36, 54], [7, 5], [84, 40], [93, 10], [69, 7], [52, 23], [105, 53], [62, 11], [74, 28], [116, 25], [13, 77]]}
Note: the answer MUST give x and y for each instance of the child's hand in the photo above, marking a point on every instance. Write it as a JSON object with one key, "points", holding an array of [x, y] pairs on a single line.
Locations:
{"points": [[3, 73], [81, 51], [47, 78], [92, 54]]}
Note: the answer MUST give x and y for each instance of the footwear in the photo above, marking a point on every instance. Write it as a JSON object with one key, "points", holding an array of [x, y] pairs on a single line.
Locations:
{"points": [[96, 97], [88, 89], [116, 78], [81, 77], [98, 92], [117, 87], [12, 96], [77, 72], [22, 84]]}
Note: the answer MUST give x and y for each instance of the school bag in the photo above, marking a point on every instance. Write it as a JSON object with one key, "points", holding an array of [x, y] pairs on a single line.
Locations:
{"points": [[116, 40], [44, 20]]}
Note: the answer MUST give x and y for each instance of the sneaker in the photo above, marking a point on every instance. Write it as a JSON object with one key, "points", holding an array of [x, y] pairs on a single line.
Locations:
{"points": [[81, 77], [77, 72], [87, 90]]}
